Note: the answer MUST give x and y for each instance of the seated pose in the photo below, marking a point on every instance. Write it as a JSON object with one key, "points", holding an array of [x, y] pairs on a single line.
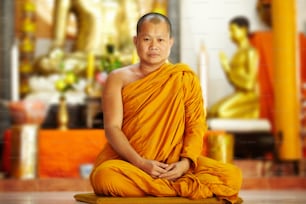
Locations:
{"points": [[242, 73], [154, 122]]}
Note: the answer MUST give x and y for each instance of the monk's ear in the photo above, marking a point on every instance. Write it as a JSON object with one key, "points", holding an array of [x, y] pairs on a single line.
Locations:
{"points": [[171, 41], [135, 39]]}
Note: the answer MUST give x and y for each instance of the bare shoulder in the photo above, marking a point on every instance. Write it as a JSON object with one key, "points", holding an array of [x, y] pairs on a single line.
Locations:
{"points": [[123, 75]]}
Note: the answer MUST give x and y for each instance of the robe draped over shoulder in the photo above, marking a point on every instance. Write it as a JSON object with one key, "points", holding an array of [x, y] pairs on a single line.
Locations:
{"points": [[164, 120]]}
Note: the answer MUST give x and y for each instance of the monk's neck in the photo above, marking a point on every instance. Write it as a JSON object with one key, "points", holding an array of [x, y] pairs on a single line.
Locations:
{"points": [[145, 69]]}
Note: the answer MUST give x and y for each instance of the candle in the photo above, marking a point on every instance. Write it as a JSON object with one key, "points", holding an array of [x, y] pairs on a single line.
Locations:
{"points": [[14, 72], [203, 71], [90, 65]]}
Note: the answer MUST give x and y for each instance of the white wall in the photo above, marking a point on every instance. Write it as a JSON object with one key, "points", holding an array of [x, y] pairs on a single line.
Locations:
{"points": [[206, 21], [301, 19]]}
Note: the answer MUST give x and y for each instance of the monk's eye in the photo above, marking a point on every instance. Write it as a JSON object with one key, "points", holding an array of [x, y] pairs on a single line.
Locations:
{"points": [[146, 39], [161, 40]]}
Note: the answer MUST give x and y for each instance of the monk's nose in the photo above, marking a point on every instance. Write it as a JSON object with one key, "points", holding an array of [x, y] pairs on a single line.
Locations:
{"points": [[153, 45]]}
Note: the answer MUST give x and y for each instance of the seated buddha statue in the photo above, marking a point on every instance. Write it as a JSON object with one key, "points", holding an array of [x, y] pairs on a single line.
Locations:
{"points": [[104, 29], [241, 72], [99, 24]]}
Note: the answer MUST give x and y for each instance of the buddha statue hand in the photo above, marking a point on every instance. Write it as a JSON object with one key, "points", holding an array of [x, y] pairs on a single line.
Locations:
{"points": [[224, 61]]}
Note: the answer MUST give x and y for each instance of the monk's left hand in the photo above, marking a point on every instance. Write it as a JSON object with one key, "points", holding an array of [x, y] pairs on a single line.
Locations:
{"points": [[176, 170]]}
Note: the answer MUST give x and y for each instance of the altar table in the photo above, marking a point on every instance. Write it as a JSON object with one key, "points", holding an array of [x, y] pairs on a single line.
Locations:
{"points": [[61, 153]]}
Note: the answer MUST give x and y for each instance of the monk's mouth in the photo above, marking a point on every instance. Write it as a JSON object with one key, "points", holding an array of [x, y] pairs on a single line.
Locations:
{"points": [[153, 55]]}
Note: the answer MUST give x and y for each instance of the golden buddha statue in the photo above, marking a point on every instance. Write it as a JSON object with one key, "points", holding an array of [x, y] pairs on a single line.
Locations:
{"points": [[98, 23], [102, 41], [241, 73]]}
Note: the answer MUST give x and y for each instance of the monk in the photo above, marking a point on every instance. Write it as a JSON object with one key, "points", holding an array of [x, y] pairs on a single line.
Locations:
{"points": [[154, 122]]}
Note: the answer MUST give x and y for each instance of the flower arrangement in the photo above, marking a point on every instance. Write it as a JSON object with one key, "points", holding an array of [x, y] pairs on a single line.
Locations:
{"points": [[66, 82]]}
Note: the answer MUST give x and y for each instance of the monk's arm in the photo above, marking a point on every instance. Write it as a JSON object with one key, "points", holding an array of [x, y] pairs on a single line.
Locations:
{"points": [[195, 125], [113, 116], [113, 119], [194, 128]]}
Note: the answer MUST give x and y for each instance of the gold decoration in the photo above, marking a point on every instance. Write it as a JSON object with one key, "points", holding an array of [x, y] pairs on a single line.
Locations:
{"points": [[241, 72], [63, 85], [220, 146], [27, 46], [62, 115]]}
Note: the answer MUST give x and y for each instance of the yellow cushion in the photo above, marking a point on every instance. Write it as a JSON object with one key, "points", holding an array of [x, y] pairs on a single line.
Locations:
{"points": [[91, 198]]}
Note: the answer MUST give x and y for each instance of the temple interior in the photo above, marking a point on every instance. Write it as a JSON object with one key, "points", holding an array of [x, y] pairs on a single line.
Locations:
{"points": [[55, 58]]}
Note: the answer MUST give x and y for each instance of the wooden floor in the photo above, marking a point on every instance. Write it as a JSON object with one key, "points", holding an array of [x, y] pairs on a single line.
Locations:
{"points": [[257, 175], [66, 184], [262, 184], [248, 196]]}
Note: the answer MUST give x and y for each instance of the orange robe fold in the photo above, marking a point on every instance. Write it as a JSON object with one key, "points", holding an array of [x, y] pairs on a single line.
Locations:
{"points": [[164, 120], [262, 41]]}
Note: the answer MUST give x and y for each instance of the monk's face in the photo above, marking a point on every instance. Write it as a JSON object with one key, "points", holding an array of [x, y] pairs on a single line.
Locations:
{"points": [[153, 42]]}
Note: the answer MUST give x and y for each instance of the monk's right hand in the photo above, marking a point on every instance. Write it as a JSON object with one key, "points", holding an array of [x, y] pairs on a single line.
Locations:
{"points": [[153, 168]]}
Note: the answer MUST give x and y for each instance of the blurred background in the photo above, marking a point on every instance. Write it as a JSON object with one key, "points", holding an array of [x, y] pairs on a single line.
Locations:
{"points": [[56, 55]]}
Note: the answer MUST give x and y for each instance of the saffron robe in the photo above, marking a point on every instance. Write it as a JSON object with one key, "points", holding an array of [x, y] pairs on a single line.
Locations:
{"points": [[164, 120]]}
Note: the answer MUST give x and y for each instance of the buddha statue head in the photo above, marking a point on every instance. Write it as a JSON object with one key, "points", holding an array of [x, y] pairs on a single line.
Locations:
{"points": [[239, 28]]}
